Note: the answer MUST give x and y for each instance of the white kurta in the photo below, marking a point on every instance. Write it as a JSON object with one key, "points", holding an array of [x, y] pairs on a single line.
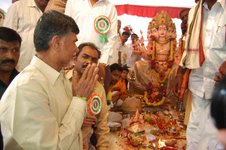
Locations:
{"points": [[38, 111], [201, 133], [85, 14]]}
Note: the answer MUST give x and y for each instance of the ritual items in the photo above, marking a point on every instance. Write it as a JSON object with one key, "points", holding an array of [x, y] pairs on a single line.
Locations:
{"points": [[114, 121], [156, 128], [131, 104], [136, 130]]}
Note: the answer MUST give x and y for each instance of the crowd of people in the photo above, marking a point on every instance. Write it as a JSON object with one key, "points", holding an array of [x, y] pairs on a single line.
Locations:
{"points": [[63, 67]]}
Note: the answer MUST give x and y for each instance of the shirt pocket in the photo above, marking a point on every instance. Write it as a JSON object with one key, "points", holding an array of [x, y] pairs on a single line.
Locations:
{"points": [[219, 39]]}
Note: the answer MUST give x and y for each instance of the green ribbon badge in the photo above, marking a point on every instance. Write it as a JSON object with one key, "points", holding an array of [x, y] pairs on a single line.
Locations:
{"points": [[102, 26], [103, 38], [94, 104]]}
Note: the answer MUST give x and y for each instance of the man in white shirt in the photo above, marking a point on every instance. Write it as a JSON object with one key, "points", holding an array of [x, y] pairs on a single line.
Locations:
{"points": [[22, 16], [97, 21], [40, 109], [117, 44], [204, 56], [132, 57], [123, 48]]}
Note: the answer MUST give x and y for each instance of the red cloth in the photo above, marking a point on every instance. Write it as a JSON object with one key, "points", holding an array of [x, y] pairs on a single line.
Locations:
{"points": [[147, 11], [201, 51]]}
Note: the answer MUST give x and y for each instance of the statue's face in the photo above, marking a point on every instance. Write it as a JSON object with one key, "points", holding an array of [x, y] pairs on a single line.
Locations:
{"points": [[171, 34], [162, 30], [154, 33]]}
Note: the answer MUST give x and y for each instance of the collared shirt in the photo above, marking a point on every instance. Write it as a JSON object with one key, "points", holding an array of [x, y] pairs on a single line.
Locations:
{"points": [[22, 16], [38, 111], [124, 53], [132, 58], [201, 81], [113, 56], [4, 86], [102, 129], [85, 14]]}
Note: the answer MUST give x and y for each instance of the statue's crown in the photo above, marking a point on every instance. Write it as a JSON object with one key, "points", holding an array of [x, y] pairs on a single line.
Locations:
{"points": [[161, 18]]}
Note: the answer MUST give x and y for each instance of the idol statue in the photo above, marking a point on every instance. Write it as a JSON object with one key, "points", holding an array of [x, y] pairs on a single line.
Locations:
{"points": [[151, 74]]}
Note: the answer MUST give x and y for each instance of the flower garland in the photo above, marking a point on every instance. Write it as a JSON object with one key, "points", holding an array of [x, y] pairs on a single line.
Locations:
{"points": [[159, 98], [155, 94]]}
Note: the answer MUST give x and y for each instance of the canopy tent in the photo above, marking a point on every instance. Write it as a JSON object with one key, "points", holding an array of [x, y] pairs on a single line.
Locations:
{"points": [[138, 13], [145, 8], [149, 8], [168, 3]]}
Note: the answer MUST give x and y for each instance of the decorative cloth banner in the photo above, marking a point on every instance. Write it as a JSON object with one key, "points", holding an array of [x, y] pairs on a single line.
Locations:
{"points": [[147, 11]]}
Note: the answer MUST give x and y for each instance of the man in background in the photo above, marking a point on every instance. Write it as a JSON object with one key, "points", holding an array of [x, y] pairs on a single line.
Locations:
{"points": [[114, 93], [10, 42], [123, 48], [205, 51], [132, 57], [22, 16], [184, 19]]}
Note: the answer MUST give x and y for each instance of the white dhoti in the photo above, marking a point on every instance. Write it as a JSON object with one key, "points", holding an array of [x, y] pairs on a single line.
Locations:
{"points": [[201, 133]]}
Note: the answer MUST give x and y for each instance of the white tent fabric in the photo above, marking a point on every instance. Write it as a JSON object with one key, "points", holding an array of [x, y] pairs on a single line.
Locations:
{"points": [[168, 3], [4, 4], [137, 23]]}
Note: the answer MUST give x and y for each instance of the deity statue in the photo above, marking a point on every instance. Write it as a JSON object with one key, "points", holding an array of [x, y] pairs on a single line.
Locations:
{"points": [[151, 74]]}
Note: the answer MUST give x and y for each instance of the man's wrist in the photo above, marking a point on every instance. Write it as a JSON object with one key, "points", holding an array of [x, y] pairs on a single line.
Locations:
{"points": [[82, 97]]}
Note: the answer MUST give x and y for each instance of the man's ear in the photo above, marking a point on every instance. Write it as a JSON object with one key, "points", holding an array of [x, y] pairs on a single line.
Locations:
{"points": [[55, 42]]}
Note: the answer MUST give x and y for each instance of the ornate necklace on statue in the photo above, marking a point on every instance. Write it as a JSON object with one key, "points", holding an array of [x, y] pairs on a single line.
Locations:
{"points": [[162, 43], [162, 76]]}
